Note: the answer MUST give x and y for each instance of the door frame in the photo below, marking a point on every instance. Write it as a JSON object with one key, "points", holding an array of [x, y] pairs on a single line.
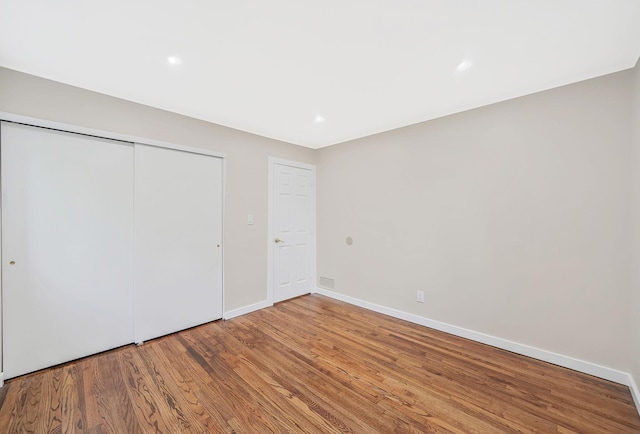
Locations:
{"points": [[273, 161]]}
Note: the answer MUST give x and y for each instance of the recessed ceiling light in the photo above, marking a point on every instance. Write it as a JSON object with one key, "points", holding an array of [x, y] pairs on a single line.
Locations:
{"points": [[319, 119], [464, 65], [174, 60]]}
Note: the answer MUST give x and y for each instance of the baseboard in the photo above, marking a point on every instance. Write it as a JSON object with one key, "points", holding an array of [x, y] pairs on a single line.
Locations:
{"points": [[525, 350], [1, 379], [246, 309], [635, 391]]}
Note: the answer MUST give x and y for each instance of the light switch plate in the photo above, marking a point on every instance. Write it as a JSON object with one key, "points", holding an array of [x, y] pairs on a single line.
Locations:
{"points": [[250, 219]]}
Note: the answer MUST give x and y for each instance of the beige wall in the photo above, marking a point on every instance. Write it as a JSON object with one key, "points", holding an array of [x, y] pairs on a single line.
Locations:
{"points": [[245, 250], [635, 316], [513, 218]]}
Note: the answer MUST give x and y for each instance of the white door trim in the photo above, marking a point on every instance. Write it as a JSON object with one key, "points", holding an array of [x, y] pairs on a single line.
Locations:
{"points": [[270, 218]]}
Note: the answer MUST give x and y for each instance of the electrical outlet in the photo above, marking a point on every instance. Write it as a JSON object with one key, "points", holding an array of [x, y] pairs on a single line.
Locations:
{"points": [[420, 296]]}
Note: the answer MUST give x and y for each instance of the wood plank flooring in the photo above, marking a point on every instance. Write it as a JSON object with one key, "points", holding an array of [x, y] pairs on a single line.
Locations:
{"points": [[313, 365]]}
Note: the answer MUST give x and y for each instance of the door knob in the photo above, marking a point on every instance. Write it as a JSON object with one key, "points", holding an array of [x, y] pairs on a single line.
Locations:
{"points": [[12, 262], [278, 240]]}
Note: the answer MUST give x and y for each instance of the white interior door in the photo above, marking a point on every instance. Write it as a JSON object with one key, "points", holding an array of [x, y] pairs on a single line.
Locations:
{"points": [[293, 212], [178, 237], [67, 244]]}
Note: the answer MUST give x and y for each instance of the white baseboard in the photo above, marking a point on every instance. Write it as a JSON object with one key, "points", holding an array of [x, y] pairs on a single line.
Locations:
{"points": [[1, 379], [246, 309], [635, 391], [525, 350]]}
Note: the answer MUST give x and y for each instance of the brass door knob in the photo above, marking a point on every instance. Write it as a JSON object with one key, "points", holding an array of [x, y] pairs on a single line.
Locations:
{"points": [[278, 240], [12, 262]]}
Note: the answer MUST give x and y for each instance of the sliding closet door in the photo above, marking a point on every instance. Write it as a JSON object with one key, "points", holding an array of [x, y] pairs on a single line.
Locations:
{"points": [[67, 246], [178, 236]]}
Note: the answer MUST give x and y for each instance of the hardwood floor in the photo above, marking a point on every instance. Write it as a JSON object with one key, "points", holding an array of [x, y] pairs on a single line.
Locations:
{"points": [[314, 365]]}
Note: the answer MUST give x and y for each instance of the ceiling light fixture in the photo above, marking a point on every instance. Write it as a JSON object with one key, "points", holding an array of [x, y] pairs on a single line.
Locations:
{"points": [[319, 119], [174, 60], [464, 65]]}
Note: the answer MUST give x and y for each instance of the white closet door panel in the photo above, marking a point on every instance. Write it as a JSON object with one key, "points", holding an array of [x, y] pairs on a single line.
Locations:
{"points": [[178, 235], [67, 226]]}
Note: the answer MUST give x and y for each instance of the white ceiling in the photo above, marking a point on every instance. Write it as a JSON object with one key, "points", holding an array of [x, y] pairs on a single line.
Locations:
{"points": [[276, 67]]}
